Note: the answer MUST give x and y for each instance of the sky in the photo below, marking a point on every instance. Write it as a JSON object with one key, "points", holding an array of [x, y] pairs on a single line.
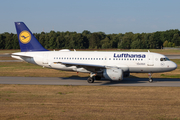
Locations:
{"points": [[108, 16]]}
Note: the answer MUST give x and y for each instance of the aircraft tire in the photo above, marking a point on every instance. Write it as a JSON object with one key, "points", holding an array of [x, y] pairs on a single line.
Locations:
{"points": [[150, 80], [90, 80]]}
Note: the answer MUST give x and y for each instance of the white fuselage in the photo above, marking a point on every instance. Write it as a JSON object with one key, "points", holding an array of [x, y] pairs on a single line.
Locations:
{"points": [[133, 62]]}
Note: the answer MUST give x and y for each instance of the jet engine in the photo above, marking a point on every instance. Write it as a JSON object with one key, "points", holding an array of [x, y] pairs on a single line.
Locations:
{"points": [[113, 74]]}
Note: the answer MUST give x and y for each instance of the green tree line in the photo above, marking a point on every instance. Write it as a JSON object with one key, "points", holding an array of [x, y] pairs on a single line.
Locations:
{"points": [[98, 40]]}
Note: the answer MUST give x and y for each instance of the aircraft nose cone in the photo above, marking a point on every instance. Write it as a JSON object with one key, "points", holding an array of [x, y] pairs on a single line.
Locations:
{"points": [[173, 66]]}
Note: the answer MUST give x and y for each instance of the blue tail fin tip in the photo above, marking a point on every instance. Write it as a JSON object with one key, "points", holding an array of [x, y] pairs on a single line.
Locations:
{"points": [[27, 40]]}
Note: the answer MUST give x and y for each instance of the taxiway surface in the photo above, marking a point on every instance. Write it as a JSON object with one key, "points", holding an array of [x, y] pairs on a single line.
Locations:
{"points": [[170, 82]]}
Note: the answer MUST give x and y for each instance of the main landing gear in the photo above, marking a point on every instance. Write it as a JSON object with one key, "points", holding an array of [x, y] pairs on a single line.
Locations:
{"points": [[93, 77], [90, 80], [150, 77]]}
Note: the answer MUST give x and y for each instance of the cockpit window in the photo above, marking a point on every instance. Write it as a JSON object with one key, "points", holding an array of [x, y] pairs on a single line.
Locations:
{"points": [[164, 59]]}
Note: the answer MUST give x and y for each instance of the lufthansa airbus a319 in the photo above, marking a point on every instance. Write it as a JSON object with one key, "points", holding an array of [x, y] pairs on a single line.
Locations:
{"points": [[108, 65]]}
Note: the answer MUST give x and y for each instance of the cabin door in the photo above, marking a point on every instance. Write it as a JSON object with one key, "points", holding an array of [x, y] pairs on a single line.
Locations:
{"points": [[150, 60]]}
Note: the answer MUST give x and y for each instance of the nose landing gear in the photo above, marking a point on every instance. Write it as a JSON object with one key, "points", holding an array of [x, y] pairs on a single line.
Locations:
{"points": [[150, 77]]}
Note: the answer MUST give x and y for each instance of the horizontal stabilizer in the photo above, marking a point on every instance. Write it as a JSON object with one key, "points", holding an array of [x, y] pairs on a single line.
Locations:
{"points": [[27, 56]]}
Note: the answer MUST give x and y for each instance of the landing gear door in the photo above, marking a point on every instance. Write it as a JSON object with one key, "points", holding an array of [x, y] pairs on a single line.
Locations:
{"points": [[150, 60], [45, 59]]}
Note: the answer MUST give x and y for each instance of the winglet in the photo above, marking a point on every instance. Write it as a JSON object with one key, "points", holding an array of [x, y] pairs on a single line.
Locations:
{"points": [[27, 40]]}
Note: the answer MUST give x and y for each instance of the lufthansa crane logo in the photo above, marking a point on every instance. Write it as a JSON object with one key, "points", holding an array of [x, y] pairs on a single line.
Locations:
{"points": [[25, 37]]}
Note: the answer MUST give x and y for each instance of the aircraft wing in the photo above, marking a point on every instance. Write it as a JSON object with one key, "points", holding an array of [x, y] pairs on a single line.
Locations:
{"points": [[82, 65]]}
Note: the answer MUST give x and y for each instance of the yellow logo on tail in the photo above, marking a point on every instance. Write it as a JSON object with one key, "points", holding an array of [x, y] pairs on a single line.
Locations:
{"points": [[25, 37]]}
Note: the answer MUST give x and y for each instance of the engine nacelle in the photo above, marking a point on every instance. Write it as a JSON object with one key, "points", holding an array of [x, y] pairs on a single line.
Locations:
{"points": [[113, 74]]}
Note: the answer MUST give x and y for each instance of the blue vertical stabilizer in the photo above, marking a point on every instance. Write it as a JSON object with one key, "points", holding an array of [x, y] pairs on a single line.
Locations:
{"points": [[27, 40]]}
